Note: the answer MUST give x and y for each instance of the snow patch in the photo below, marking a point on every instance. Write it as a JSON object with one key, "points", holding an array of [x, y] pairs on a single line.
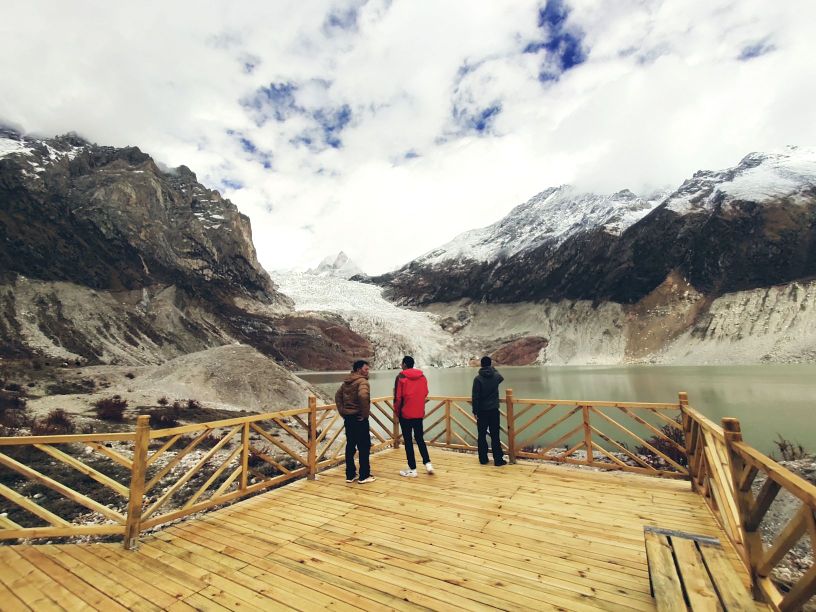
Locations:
{"points": [[551, 216], [759, 177], [393, 331]]}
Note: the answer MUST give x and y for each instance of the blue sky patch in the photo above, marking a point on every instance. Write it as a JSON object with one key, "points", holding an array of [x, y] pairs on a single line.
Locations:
{"points": [[479, 120], [563, 45], [262, 157], [340, 19], [275, 101], [755, 50], [231, 184]]}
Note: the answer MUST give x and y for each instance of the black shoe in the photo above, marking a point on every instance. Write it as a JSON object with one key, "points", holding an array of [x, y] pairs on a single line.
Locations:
{"points": [[500, 463]]}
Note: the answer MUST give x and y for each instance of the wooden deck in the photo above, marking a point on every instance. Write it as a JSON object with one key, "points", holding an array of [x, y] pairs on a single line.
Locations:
{"points": [[525, 536]]}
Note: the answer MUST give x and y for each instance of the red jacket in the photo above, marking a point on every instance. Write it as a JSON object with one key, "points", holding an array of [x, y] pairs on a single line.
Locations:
{"points": [[412, 389]]}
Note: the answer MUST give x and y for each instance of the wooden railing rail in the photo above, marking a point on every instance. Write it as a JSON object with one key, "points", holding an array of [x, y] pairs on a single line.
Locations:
{"points": [[746, 464], [148, 477], [710, 472]]}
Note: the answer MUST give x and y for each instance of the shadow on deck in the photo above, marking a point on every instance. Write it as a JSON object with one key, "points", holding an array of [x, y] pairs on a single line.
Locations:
{"points": [[525, 536]]}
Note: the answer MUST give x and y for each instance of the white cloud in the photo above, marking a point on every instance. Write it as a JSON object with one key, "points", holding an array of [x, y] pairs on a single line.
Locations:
{"points": [[663, 92]]}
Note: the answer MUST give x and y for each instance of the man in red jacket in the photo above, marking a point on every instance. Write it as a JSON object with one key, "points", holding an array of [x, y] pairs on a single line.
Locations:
{"points": [[410, 391]]}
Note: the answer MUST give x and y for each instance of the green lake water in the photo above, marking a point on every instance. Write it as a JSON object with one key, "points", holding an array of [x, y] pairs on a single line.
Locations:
{"points": [[769, 400]]}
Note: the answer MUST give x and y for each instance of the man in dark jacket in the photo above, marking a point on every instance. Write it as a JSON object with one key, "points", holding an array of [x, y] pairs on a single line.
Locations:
{"points": [[410, 391], [485, 398], [353, 401]]}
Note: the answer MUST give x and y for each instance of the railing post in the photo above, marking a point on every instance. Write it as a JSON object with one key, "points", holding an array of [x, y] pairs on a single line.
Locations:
{"points": [[312, 437], [751, 536], [137, 482], [244, 456], [587, 436], [448, 436], [682, 402], [511, 426], [395, 428]]}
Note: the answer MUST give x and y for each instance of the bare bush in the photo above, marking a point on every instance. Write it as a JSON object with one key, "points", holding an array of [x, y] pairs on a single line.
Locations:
{"points": [[111, 408], [57, 422]]}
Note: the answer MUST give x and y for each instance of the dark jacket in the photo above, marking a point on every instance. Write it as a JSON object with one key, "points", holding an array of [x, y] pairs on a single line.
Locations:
{"points": [[353, 398], [410, 393], [485, 394]]}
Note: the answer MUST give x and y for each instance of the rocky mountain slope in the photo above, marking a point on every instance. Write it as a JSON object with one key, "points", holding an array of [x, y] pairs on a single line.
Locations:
{"points": [[717, 271], [741, 228], [107, 258]]}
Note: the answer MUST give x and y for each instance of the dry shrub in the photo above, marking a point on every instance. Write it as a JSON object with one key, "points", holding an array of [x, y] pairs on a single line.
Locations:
{"points": [[790, 451], [57, 422], [111, 408], [666, 447]]}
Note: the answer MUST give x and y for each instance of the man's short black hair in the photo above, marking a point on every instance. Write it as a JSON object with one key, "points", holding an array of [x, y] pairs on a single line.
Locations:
{"points": [[358, 365], [408, 361], [486, 362]]}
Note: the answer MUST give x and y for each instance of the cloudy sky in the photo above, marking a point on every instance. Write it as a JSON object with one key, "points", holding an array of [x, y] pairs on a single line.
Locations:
{"points": [[384, 128]]}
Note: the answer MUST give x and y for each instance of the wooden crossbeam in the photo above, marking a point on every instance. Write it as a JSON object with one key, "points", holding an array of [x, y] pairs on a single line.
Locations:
{"points": [[271, 461], [534, 419], [7, 523], [60, 488], [786, 539], [110, 454], [82, 468], [322, 451], [549, 428], [622, 449], [756, 512], [191, 472], [35, 509], [558, 442], [164, 447], [325, 431], [176, 460], [747, 477], [660, 454], [226, 484], [285, 426], [272, 440], [213, 477], [653, 429]]}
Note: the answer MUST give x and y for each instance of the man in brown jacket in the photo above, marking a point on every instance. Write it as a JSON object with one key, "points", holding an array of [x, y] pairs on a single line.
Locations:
{"points": [[353, 400]]}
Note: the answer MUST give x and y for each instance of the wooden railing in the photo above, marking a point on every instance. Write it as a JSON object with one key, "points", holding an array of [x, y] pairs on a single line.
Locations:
{"points": [[566, 431], [139, 480], [723, 469]]}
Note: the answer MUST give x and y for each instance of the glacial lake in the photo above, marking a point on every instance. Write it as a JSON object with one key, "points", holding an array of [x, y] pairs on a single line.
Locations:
{"points": [[769, 400]]}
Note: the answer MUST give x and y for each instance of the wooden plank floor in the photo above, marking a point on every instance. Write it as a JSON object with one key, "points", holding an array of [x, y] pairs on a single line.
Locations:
{"points": [[526, 536]]}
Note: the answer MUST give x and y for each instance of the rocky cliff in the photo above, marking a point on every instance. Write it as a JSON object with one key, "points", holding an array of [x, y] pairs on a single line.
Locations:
{"points": [[107, 258], [750, 226]]}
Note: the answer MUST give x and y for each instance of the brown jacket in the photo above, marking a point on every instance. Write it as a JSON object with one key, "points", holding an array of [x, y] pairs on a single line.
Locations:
{"points": [[354, 396]]}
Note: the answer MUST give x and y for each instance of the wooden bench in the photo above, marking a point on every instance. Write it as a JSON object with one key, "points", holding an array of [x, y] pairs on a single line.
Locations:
{"points": [[691, 572]]}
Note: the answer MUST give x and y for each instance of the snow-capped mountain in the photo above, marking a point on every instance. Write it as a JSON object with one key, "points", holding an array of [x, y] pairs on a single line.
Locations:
{"points": [[736, 229], [339, 266], [550, 217], [759, 177]]}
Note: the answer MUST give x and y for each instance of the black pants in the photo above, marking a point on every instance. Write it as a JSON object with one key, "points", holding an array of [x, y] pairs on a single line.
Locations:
{"points": [[358, 438], [413, 427], [489, 421]]}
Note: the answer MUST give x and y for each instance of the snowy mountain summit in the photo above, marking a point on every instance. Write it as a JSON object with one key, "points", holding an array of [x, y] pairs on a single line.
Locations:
{"points": [[550, 217], [339, 266], [759, 177]]}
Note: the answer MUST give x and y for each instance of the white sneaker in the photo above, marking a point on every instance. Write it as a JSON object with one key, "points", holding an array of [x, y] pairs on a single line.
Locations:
{"points": [[429, 467], [366, 480], [409, 473]]}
